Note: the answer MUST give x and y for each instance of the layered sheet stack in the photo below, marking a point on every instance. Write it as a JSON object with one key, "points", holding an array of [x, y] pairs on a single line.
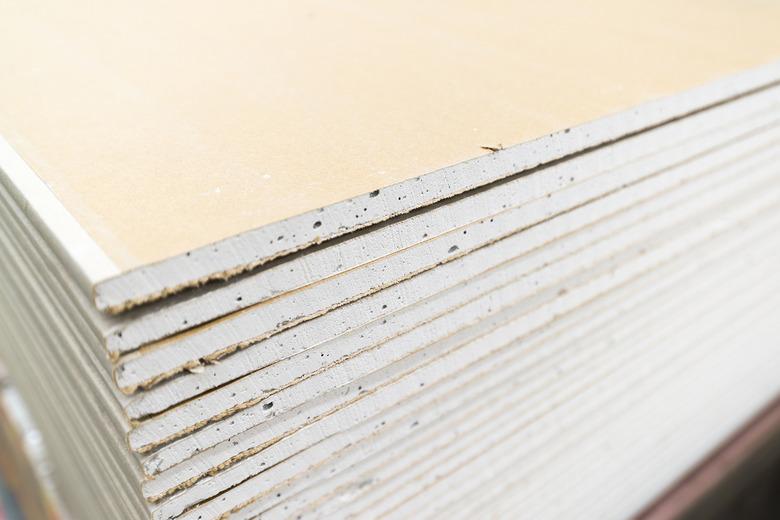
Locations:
{"points": [[240, 280]]}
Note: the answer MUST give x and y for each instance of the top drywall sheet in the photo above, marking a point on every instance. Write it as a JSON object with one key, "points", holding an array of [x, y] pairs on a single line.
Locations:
{"points": [[166, 126]]}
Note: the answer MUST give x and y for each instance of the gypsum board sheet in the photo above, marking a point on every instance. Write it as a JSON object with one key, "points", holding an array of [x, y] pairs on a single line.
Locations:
{"points": [[271, 491], [156, 142], [614, 303], [252, 391], [600, 318], [93, 437], [87, 492], [27, 241], [178, 420], [368, 430], [223, 430], [19, 350], [237, 398], [156, 280], [104, 384], [61, 446], [705, 386], [264, 515], [426, 463], [164, 359], [750, 292], [193, 308], [189, 385], [630, 384], [166, 510], [413, 472], [660, 471], [201, 512], [238, 448], [395, 406], [39, 312], [469, 404], [664, 468], [377, 396], [61, 366], [339, 503], [38, 260], [190, 467], [332, 258], [32, 261], [69, 302], [705, 436], [95, 430], [673, 457], [230, 333], [64, 437], [773, 325]]}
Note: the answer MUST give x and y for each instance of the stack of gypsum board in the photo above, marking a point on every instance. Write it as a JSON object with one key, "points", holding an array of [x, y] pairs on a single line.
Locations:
{"points": [[547, 316]]}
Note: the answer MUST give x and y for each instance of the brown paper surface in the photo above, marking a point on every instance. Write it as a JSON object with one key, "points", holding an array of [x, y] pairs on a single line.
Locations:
{"points": [[164, 126]]}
